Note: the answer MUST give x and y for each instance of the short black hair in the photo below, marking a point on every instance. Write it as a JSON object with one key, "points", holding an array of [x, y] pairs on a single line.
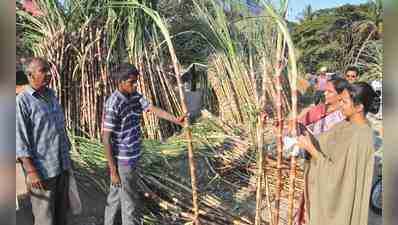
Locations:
{"points": [[351, 68], [123, 71], [363, 93], [339, 83]]}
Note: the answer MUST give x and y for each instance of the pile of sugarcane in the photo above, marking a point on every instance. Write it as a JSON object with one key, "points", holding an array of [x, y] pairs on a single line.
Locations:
{"points": [[83, 51], [252, 70], [224, 156], [234, 157], [161, 181]]}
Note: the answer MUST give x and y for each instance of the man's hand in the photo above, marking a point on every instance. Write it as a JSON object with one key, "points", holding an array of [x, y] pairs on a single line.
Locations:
{"points": [[167, 116], [180, 120], [263, 116], [115, 178], [33, 180]]}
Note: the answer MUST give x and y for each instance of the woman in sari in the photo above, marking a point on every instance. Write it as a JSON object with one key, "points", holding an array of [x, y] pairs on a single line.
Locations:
{"points": [[339, 177]]}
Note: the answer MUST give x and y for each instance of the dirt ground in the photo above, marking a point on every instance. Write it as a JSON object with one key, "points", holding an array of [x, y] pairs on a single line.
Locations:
{"points": [[93, 209]]}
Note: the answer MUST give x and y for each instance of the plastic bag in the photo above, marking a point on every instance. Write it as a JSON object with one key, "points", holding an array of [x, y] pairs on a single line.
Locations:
{"points": [[74, 198]]}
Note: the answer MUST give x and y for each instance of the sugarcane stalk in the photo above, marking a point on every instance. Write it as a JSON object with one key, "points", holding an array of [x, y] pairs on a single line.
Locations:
{"points": [[293, 172], [188, 127], [278, 139], [291, 188], [267, 199], [260, 144], [260, 170]]}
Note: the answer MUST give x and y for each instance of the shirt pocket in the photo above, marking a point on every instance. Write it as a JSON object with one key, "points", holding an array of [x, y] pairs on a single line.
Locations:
{"points": [[58, 115]]}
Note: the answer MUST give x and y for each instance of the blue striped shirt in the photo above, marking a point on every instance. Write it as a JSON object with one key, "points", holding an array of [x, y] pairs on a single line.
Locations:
{"points": [[122, 117], [40, 132]]}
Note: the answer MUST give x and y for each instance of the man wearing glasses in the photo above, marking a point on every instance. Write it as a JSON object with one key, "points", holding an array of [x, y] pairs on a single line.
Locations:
{"points": [[351, 74], [122, 142], [42, 146]]}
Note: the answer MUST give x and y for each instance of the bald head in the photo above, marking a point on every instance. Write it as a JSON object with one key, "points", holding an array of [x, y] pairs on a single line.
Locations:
{"points": [[38, 71], [36, 64]]}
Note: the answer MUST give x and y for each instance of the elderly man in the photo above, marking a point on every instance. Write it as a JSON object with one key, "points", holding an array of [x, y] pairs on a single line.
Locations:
{"points": [[42, 146]]}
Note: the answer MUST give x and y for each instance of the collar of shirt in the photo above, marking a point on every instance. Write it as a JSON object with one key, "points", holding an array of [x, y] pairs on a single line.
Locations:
{"points": [[45, 96], [32, 91], [125, 97]]}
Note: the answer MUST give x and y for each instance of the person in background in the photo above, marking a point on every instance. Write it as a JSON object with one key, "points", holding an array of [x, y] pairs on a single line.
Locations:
{"points": [[376, 120], [320, 85], [378, 87], [122, 142], [351, 74], [42, 146], [323, 116], [339, 178]]}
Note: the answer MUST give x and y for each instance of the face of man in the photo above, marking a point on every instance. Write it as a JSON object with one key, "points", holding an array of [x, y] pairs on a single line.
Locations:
{"points": [[129, 86], [351, 76], [40, 77]]}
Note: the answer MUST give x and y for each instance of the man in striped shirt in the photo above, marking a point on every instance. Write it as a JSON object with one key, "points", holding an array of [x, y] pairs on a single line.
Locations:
{"points": [[122, 143]]}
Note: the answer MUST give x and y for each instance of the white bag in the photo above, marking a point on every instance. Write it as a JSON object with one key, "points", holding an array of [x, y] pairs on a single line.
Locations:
{"points": [[74, 198]]}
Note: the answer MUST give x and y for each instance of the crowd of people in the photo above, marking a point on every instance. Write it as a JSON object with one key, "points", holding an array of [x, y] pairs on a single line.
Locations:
{"points": [[339, 147], [337, 141]]}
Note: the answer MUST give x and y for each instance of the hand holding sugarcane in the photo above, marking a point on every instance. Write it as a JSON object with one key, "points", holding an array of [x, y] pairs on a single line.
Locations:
{"points": [[167, 116], [263, 116], [181, 120], [305, 142]]}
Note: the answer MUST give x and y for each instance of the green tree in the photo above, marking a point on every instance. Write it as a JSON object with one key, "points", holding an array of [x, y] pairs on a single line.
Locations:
{"points": [[335, 37]]}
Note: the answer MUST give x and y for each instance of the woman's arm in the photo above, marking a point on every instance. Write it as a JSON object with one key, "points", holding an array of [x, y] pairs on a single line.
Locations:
{"points": [[313, 115], [305, 142]]}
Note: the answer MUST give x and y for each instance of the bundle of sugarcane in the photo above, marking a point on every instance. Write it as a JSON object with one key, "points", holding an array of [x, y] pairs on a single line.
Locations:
{"points": [[161, 177], [76, 48], [160, 180], [243, 46], [235, 161], [83, 49]]}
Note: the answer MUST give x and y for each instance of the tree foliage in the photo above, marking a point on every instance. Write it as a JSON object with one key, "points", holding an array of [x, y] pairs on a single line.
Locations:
{"points": [[336, 37]]}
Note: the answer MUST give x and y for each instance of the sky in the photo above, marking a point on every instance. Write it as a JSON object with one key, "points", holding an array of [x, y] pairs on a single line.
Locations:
{"points": [[296, 7]]}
